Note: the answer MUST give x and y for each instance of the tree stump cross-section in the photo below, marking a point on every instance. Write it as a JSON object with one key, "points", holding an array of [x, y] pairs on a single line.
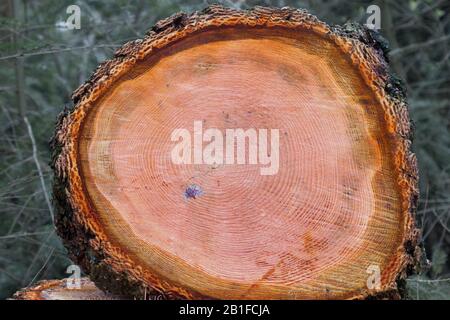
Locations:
{"points": [[331, 219]]}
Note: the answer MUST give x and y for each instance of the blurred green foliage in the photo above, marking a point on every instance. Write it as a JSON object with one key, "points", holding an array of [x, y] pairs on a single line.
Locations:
{"points": [[56, 61]]}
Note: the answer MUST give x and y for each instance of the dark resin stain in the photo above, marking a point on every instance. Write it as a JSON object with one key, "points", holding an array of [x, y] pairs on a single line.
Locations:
{"points": [[193, 191]]}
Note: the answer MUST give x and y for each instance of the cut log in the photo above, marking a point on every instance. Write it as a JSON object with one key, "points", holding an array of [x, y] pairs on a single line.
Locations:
{"points": [[58, 290], [144, 204]]}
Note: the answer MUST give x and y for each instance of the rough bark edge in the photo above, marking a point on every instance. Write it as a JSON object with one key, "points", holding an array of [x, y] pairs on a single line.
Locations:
{"points": [[35, 292], [110, 267]]}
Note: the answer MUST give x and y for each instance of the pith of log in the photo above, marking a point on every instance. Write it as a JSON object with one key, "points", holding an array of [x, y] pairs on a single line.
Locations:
{"points": [[346, 67], [58, 290]]}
